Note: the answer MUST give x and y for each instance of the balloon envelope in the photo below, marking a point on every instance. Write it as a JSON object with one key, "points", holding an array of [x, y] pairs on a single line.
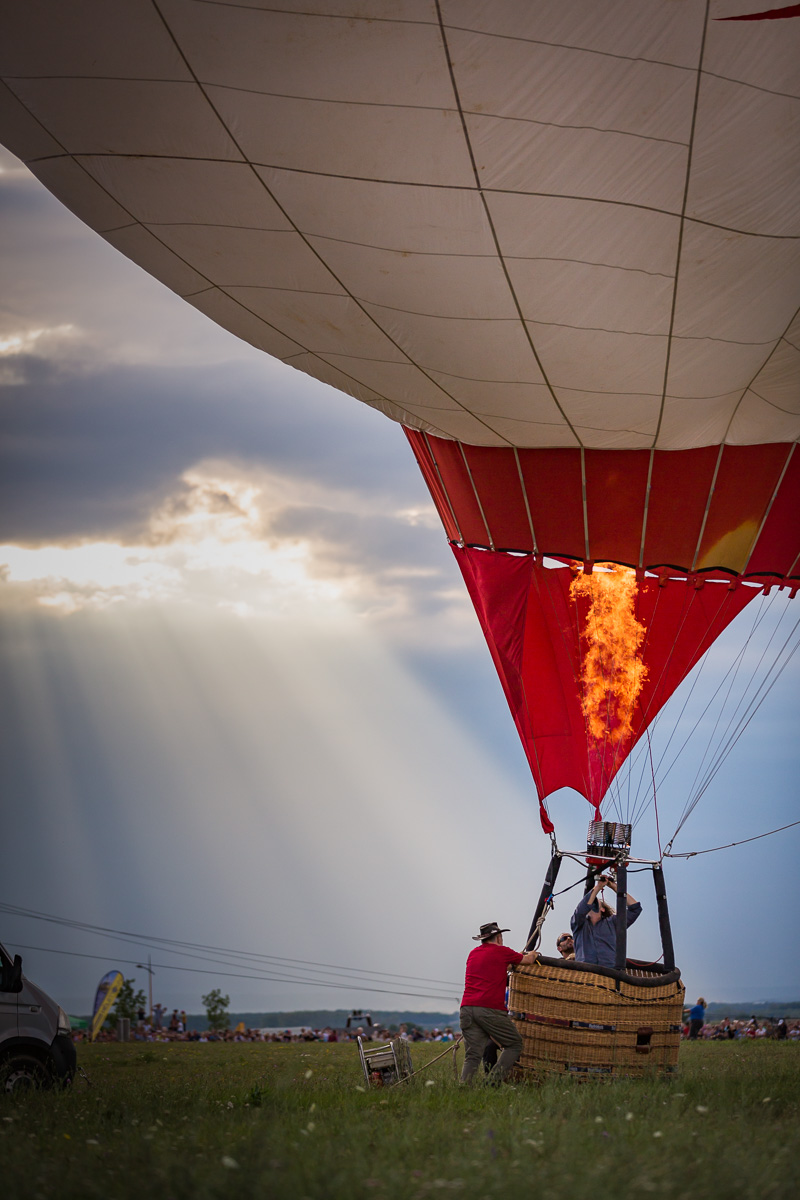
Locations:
{"points": [[558, 223], [558, 241]]}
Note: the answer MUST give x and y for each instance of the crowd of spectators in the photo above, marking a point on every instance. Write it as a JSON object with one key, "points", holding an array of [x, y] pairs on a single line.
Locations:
{"points": [[727, 1029], [145, 1030]]}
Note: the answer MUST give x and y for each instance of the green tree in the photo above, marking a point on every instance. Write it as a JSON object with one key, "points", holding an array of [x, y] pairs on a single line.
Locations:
{"points": [[127, 1004], [215, 1005]]}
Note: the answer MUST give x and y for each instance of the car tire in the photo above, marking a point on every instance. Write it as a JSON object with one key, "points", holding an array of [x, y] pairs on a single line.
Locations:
{"points": [[23, 1072]]}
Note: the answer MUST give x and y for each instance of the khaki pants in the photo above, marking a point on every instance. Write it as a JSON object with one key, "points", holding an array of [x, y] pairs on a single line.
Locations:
{"points": [[479, 1026]]}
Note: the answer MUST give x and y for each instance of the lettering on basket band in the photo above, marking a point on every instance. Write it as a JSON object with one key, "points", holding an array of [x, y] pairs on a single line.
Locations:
{"points": [[562, 1022]]}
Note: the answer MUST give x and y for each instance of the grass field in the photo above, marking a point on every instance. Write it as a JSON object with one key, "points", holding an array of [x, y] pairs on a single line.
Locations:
{"points": [[260, 1120]]}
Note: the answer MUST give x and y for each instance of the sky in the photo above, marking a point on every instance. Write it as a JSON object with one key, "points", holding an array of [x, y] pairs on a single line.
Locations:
{"points": [[246, 704]]}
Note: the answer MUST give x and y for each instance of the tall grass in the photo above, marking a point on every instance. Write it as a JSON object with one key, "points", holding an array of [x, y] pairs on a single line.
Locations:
{"points": [[251, 1120]]}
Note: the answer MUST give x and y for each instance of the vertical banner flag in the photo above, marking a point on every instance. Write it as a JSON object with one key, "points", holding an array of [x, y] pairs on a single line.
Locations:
{"points": [[107, 991]]}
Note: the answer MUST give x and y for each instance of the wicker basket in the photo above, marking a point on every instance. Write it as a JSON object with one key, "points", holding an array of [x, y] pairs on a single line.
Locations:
{"points": [[584, 1020]]}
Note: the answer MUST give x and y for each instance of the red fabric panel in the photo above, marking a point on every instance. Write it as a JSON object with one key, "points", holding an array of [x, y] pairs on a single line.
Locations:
{"points": [[616, 485], [533, 629], [679, 488], [431, 477], [743, 489], [497, 481], [778, 547], [554, 488], [458, 486]]}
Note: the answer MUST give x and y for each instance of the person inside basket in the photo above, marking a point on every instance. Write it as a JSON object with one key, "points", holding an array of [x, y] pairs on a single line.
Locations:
{"points": [[484, 1015], [565, 945], [594, 925]]}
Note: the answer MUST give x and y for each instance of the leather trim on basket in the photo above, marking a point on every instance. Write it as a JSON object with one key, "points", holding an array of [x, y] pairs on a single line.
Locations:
{"points": [[562, 1022], [659, 978]]}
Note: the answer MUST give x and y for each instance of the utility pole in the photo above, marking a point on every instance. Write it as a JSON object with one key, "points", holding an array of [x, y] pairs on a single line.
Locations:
{"points": [[150, 973]]}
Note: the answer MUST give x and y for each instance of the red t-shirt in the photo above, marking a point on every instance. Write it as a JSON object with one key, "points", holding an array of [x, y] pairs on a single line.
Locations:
{"points": [[485, 981]]}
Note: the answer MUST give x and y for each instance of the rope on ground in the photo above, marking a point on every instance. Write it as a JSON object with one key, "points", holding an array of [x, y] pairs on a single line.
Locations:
{"points": [[450, 1050]]}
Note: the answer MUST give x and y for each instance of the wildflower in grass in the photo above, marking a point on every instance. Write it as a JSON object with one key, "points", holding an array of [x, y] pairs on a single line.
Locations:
{"points": [[658, 1133], [766, 1100], [629, 1116], [359, 1088], [309, 1073], [598, 1120], [230, 1163], [701, 1108], [311, 1126], [430, 1082]]}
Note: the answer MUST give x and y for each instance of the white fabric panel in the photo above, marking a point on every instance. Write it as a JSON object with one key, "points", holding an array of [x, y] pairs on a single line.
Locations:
{"points": [[697, 422], [139, 244], [463, 426], [611, 235], [662, 32], [172, 190], [378, 10], [392, 216], [314, 57], [504, 77], [735, 287], [122, 39], [702, 369], [617, 439], [767, 57], [325, 373], [533, 433], [756, 420], [438, 285], [776, 382], [409, 145], [747, 146], [407, 384], [121, 116], [582, 294], [81, 193], [21, 133], [531, 402], [634, 415], [521, 156], [250, 257], [231, 315], [324, 324], [597, 360], [481, 349]]}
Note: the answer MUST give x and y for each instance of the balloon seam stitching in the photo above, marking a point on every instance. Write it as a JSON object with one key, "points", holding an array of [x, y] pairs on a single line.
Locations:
{"points": [[681, 226], [262, 183], [500, 257], [708, 507]]}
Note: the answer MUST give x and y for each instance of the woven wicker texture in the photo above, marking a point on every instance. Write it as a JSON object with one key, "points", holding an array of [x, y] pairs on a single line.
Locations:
{"points": [[584, 1023]]}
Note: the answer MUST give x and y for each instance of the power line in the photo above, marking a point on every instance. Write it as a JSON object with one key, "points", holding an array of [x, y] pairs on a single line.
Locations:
{"points": [[361, 976], [233, 974]]}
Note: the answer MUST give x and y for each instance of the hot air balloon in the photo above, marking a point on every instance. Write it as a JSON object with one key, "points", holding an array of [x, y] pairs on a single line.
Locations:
{"points": [[557, 242]]}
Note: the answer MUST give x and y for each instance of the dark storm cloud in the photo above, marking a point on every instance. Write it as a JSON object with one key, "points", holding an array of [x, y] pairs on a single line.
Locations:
{"points": [[91, 454]]}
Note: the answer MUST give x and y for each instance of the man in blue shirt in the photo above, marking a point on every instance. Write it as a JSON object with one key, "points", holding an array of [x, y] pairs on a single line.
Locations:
{"points": [[697, 1019], [594, 925]]}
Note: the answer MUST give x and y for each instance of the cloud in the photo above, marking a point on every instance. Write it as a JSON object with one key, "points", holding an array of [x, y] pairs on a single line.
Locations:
{"points": [[257, 543]]}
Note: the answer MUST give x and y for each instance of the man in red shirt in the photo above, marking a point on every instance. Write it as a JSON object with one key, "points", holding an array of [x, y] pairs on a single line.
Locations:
{"points": [[484, 1016]]}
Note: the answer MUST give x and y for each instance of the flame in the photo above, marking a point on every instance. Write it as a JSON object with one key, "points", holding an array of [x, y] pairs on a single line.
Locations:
{"points": [[613, 672]]}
